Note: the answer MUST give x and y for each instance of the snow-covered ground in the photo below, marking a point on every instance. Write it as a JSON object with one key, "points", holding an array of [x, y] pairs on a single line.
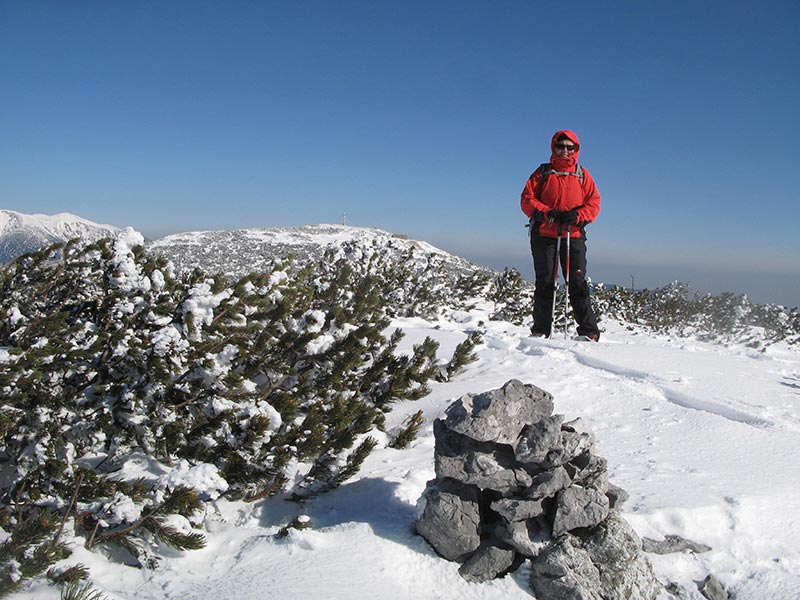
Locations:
{"points": [[704, 438]]}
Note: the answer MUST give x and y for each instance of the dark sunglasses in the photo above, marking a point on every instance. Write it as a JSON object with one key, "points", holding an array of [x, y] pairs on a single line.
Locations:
{"points": [[566, 147]]}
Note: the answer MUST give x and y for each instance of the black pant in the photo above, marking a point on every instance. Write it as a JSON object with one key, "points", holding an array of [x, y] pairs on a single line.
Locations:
{"points": [[544, 254]]}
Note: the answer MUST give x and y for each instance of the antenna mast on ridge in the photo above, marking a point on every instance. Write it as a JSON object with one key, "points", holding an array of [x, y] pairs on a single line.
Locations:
{"points": [[344, 218]]}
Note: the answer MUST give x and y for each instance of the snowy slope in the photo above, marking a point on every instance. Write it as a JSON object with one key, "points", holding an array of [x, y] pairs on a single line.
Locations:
{"points": [[238, 252], [705, 439], [21, 233]]}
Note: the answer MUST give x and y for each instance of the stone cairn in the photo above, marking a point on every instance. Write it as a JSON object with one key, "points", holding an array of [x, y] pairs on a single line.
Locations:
{"points": [[516, 482]]}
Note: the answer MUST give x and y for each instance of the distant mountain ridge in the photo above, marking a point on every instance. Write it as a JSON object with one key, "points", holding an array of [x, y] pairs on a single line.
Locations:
{"points": [[237, 252], [21, 233]]}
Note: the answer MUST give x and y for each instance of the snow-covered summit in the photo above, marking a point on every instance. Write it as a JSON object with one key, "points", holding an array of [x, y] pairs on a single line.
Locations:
{"points": [[21, 233], [237, 252]]}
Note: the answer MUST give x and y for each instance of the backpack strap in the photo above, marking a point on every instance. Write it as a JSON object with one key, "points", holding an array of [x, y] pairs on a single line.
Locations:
{"points": [[548, 170], [545, 170]]}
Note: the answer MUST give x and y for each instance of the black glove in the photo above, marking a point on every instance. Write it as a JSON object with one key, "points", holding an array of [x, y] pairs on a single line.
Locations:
{"points": [[569, 217], [555, 216]]}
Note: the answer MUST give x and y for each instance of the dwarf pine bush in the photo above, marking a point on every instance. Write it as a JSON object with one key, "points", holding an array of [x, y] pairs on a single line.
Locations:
{"points": [[672, 309], [513, 297], [109, 357], [724, 318]]}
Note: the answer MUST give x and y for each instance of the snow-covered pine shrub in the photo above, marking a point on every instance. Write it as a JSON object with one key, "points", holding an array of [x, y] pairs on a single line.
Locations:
{"points": [[776, 322], [793, 326], [472, 286], [618, 303], [667, 310], [513, 297], [226, 386], [725, 317], [412, 282]]}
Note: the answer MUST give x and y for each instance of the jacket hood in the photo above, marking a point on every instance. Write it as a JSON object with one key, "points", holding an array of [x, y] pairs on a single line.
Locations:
{"points": [[570, 162]]}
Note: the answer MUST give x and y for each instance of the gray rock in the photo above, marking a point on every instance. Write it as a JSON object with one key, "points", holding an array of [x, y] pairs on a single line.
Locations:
{"points": [[571, 444], [614, 542], [678, 591], [450, 519], [579, 507], [513, 509], [484, 471], [538, 439], [617, 550], [529, 538], [499, 415], [616, 496], [548, 483], [487, 466], [566, 571], [713, 589], [579, 426], [589, 470], [488, 562], [605, 563], [671, 544]]}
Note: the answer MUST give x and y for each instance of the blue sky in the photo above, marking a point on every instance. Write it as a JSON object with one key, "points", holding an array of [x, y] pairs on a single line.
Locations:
{"points": [[418, 117]]}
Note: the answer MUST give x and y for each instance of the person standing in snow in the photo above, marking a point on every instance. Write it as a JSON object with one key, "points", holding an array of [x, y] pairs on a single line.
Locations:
{"points": [[561, 197]]}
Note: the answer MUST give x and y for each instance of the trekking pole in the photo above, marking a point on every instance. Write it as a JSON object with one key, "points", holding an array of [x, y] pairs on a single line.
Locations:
{"points": [[555, 283], [566, 296]]}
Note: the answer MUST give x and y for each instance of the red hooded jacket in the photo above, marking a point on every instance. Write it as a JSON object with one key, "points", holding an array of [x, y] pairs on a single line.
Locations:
{"points": [[560, 192]]}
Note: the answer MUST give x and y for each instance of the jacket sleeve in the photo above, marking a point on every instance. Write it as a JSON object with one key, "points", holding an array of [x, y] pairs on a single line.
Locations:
{"points": [[591, 200], [530, 204]]}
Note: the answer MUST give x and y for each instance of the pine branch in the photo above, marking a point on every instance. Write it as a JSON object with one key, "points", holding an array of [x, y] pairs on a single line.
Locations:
{"points": [[70, 506], [463, 354], [119, 532], [324, 478], [73, 574], [79, 591], [270, 490], [409, 433], [174, 538]]}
